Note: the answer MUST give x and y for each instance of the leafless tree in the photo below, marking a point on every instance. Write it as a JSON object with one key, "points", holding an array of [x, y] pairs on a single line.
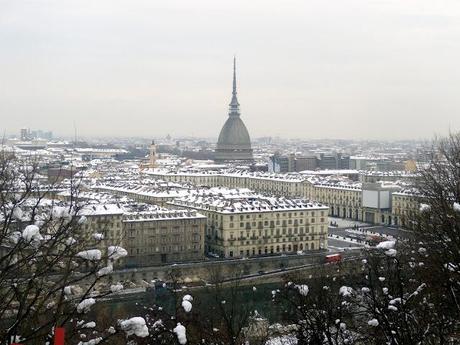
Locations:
{"points": [[317, 309], [48, 278], [230, 307], [393, 300], [396, 301], [438, 223]]}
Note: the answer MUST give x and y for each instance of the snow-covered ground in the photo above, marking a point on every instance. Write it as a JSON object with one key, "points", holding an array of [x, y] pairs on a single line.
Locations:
{"points": [[283, 340], [346, 223], [367, 233]]}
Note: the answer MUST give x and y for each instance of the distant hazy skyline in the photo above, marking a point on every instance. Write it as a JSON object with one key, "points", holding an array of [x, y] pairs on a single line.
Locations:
{"points": [[363, 69]]}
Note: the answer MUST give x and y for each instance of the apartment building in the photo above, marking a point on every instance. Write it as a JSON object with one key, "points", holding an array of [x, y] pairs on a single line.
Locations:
{"points": [[153, 237], [255, 225], [164, 236]]}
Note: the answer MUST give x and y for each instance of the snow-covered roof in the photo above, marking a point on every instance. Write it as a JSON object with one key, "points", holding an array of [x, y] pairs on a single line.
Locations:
{"points": [[289, 177], [243, 203], [99, 150], [409, 192], [101, 209], [330, 172], [154, 191], [161, 215], [392, 173]]}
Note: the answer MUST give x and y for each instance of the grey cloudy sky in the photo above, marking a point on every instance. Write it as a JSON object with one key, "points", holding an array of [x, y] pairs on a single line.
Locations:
{"points": [[306, 68]]}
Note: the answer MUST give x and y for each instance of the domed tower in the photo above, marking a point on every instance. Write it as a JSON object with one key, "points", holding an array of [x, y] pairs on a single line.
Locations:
{"points": [[234, 143]]}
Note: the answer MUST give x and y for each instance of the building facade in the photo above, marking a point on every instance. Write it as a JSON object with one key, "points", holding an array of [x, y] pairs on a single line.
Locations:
{"points": [[251, 226], [406, 205], [343, 196], [151, 238], [161, 237], [291, 163]]}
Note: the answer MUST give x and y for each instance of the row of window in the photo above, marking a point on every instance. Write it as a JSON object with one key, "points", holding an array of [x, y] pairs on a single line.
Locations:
{"points": [[274, 249], [148, 225], [277, 222], [284, 214], [276, 232], [163, 249], [165, 238], [277, 240], [163, 231], [259, 215], [99, 225]]}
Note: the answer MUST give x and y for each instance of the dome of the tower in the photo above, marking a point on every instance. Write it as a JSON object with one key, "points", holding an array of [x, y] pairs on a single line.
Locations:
{"points": [[234, 135]]}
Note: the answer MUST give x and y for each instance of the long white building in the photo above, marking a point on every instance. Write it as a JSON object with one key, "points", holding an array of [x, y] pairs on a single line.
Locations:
{"points": [[245, 224]]}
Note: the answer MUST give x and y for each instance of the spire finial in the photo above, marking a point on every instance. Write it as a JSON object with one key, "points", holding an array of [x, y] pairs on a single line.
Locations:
{"points": [[234, 75], [234, 105]]}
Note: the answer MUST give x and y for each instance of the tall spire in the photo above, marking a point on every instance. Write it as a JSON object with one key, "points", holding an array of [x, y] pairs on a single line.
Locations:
{"points": [[234, 105], [234, 76]]}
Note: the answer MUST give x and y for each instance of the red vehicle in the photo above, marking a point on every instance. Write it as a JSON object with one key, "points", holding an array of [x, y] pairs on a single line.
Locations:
{"points": [[333, 258]]}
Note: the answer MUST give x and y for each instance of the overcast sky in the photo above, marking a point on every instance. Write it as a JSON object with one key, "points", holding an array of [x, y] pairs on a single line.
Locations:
{"points": [[306, 69]]}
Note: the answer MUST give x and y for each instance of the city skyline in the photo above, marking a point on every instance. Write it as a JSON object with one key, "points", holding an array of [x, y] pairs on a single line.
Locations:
{"points": [[229, 172], [361, 70]]}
